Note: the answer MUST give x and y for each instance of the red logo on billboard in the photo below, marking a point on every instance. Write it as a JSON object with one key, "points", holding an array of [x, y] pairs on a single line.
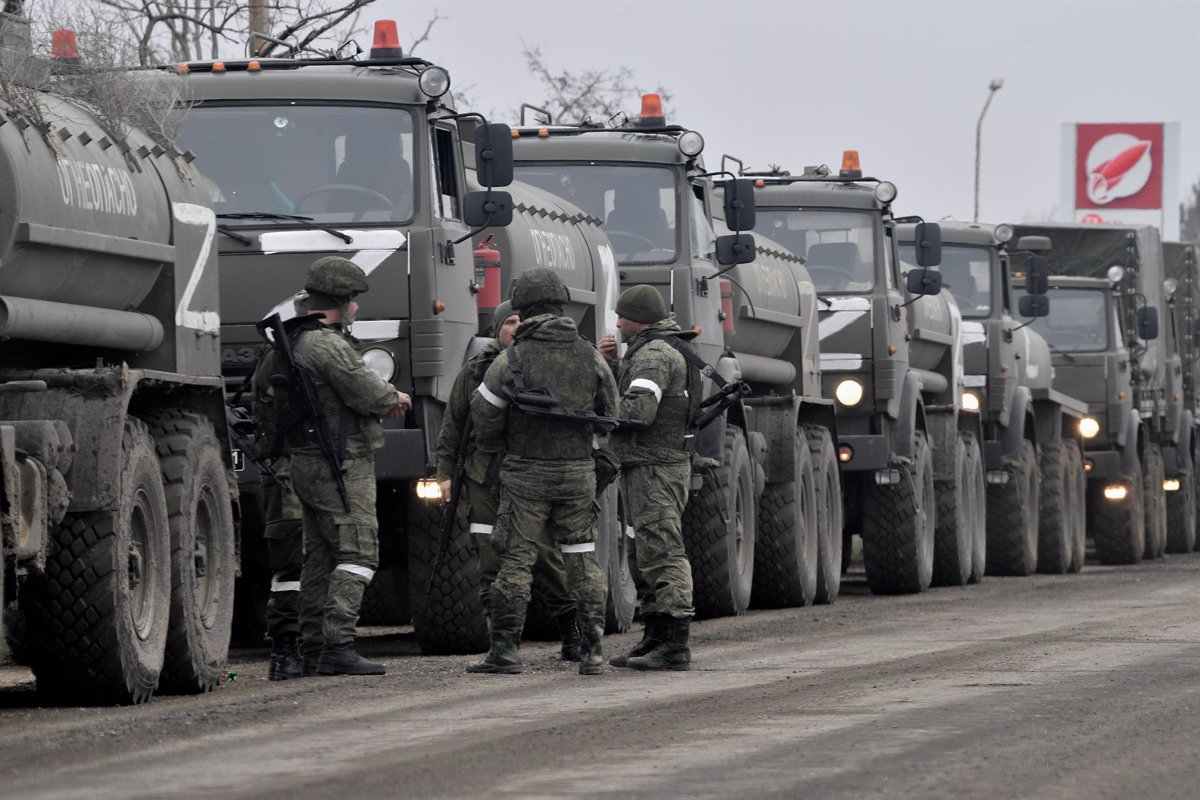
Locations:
{"points": [[1118, 166]]}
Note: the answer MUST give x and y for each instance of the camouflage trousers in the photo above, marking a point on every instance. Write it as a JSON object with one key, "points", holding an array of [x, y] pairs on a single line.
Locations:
{"points": [[654, 498], [285, 554], [341, 548], [549, 572], [544, 505]]}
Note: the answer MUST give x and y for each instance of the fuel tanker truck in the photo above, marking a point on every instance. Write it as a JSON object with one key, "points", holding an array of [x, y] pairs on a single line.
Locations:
{"points": [[761, 522], [1137, 434], [891, 357], [119, 541], [1183, 300], [1032, 448], [366, 159]]}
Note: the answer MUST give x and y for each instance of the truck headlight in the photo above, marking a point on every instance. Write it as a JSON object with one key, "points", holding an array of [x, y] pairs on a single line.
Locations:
{"points": [[970, 401], [1089, 427], [849, 392], [381, 362]]}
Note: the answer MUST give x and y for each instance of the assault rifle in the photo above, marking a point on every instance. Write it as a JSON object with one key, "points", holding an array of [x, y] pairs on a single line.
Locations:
{"points": [[450, 513], [302, 405], [727, 394], [242, 431], [544, 404]]}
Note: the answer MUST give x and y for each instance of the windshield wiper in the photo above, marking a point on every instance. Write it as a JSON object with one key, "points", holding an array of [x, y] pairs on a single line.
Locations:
{"points": [[228, 231], [291, 217], [1062, 353]]}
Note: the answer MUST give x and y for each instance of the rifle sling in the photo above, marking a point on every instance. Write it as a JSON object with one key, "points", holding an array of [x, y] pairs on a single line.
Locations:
{"points": [[706, 369]]}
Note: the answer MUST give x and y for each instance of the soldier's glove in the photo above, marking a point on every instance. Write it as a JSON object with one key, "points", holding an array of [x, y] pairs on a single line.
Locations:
{"points": [[608, 467]]}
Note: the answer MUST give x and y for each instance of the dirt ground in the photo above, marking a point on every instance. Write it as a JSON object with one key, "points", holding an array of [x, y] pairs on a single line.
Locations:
{"points": [[1084, 686]]}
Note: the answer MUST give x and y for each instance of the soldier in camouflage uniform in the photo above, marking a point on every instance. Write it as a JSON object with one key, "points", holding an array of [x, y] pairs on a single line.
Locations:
{"points": [[481, 489], [548, 478], [658, 388], [341, 545]]}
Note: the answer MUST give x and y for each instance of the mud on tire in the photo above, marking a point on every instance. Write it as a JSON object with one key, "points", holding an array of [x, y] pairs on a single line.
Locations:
{"points": [[1155, 502], [1055, 525], [1012, 517], [1078, 484], [1118, 528], [978, 513], [830, 539], [1181, 511], [450, 621], [898, 527], [952, 540], [786, 547]]}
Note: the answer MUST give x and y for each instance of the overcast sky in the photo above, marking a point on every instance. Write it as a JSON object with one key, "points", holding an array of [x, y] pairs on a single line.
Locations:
{"points": [[796, 82]]}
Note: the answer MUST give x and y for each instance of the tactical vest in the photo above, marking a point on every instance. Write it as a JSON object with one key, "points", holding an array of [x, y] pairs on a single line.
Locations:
{"points": [[673, 419], [567, 370]]}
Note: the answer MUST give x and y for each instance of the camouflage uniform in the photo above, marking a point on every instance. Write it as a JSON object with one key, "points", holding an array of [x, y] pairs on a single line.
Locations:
{"points": [[548, 479]]}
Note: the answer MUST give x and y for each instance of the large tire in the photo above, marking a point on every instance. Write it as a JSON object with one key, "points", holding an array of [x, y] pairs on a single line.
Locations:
{"points": [[952, 538], [978, 512], [1056, 510], [203, 540], [898, 527], [830, 541], [450, 620], [1079, 503], [719, 532], [1012, 517], [786, 547], [1181, 510], [386, 601], [613, 548], [98, 618], [1118, 527], [1155, 503]]}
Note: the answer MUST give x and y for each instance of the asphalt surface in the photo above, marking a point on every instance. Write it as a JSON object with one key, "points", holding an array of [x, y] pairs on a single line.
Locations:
{"points": [[1083, 686]]}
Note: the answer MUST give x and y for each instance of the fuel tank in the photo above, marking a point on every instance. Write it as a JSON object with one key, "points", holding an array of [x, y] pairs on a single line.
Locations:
{"points": [[933, 323]]}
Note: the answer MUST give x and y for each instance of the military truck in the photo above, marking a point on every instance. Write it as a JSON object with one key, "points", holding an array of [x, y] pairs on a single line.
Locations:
{"points": [[760, 523], [1137, 433], [1183, 300], [1032, 448], [119, 545], [891, 357], [365, 158]]}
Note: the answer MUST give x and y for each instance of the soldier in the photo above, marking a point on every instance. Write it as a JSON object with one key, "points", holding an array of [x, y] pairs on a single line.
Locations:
{"points": [[481, 488], [341, 544], [548, 478], [657, 388]]}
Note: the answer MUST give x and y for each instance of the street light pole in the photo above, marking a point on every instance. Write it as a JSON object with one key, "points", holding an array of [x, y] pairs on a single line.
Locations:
{"points": [[993, 87]]}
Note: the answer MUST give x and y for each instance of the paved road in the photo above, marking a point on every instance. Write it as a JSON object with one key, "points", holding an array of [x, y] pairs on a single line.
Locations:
{"points": [[1081, 686]]}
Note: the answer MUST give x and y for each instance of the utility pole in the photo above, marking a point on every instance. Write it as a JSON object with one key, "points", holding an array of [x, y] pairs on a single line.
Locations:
{"points": [[993, 87], [259, 23]]}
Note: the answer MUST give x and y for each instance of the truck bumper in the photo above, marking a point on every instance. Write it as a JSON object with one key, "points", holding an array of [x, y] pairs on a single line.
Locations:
{"points": [[402, 456], [870, 452], [1105, 463]]}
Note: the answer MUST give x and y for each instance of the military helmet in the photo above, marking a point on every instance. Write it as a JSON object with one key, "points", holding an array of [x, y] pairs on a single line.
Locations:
{"points": [[502, 312], [641, 303], [334, 276], [538, 287]]}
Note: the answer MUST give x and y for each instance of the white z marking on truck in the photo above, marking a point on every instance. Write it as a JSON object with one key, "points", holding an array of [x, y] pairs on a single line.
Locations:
{"points": [[185, 317]]}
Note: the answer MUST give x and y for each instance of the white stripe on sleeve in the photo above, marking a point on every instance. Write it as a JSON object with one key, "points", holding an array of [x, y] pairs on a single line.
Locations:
{"points": [[492, 397], [646, 383]]}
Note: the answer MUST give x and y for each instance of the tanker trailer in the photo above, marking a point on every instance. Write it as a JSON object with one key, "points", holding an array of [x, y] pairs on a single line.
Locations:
{"points": [[1125, 482], [1183, 299], [911, 462], [115, 465], [1031, 443]]}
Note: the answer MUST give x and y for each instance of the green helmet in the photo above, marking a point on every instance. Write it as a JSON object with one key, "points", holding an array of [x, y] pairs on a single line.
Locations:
{"points": [[641, 303], [337, 277], [538, 287]]}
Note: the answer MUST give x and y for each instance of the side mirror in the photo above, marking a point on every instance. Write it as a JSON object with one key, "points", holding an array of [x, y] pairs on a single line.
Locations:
{"points": [[1035, 244], [1034, 305], [923, 281], [739, 205], [928, 243], [1037, 281], [492, 209], [1148, 324], [494, 154], [735, 248]]}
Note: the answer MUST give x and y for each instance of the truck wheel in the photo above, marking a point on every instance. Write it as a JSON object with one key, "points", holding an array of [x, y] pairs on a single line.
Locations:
{"points": [[977, 515], [97, 619], [898, 527], [450, 621], [718, 533], [200, 515], [786, 547], [1012, 517], [1078, 518], [1181, 511], [613, 548], [1056, 511], [952, 540], [385, 602], [1118, 527], [829, 515], [1155, 503]]}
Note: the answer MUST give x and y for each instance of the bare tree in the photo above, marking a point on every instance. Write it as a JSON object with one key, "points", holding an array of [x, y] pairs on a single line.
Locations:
{"points": [[590, 95]]}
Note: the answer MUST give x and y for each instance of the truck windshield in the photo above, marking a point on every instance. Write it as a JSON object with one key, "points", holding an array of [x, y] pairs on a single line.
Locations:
{"points": [[637, 204], [838, 245], [966, 272], [336, 164], [1078, 319]]}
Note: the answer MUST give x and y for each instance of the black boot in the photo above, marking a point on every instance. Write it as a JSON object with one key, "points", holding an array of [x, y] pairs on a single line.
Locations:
{"points": [[286, 661], [651, 638], [568, 631], [309, 661], [671, 653], [504, 657], [591, 661], [342, 659]]}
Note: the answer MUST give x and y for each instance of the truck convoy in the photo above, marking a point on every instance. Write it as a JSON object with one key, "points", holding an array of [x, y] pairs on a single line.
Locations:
{"points": [[1183, 299], [119, 541], [1032, 448], [762, 523]]}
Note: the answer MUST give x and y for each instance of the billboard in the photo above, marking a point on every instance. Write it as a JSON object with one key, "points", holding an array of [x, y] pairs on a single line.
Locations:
{"points": [[1122, 172]]}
